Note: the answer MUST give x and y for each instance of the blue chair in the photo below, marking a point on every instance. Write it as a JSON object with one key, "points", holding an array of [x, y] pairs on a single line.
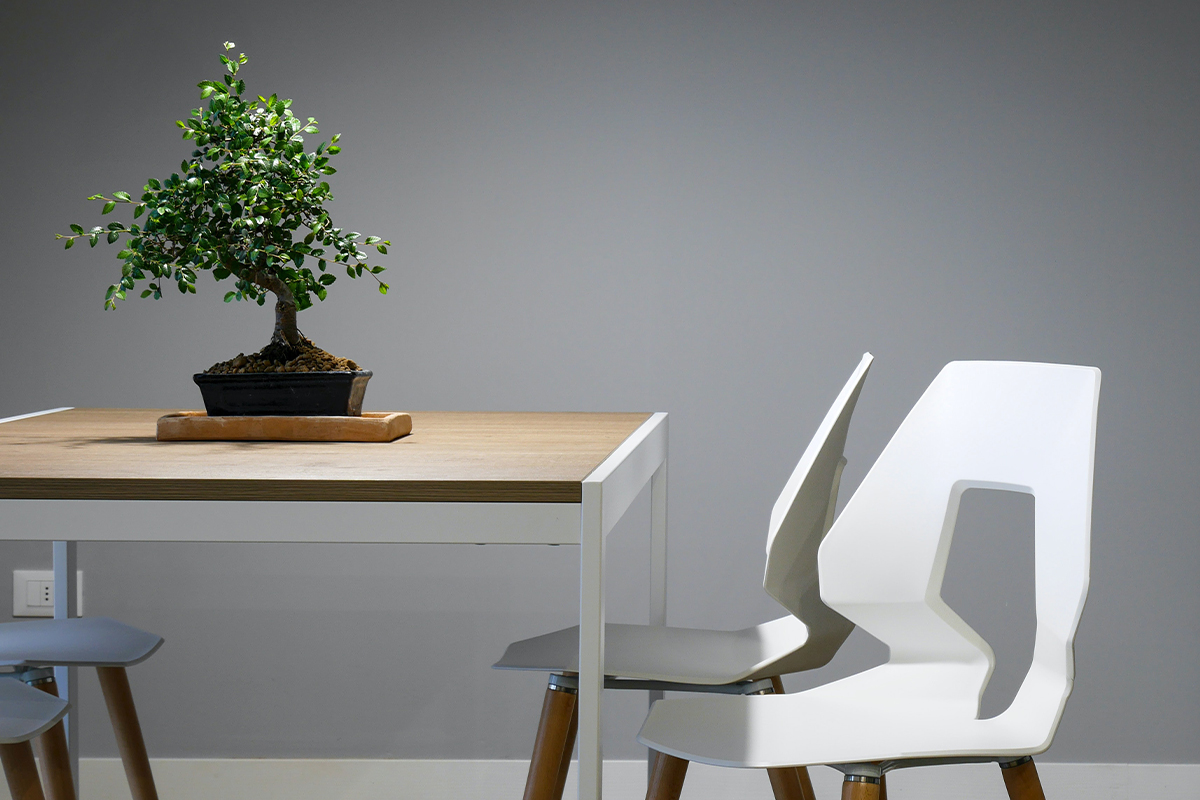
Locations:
{"points": [[33, 648], [24, 714]]}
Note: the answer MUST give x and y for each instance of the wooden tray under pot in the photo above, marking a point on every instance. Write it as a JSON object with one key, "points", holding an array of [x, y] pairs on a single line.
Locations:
{"points": [[372, 426]]}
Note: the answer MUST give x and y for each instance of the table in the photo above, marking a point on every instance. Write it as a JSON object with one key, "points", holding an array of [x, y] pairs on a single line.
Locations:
{"points": [[69, 475]]}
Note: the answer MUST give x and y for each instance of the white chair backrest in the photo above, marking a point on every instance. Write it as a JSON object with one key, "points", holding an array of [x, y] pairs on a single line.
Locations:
{"points": [[803, 513], [995, 425]]}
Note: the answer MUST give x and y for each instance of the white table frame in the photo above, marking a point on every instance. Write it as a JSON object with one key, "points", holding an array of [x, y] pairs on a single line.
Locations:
{"points": [[607, 493]]}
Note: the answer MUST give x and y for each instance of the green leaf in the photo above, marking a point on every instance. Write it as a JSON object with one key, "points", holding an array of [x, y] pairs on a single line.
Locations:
{"points": [[94, 238], [122, 196], [335, 138], [229, 296], [113, 236], [69, 244], [382, 250], [137, 212], [76, 228], [334, 149], [383, 288], [108, 207], [147, 292], [372, 240]]}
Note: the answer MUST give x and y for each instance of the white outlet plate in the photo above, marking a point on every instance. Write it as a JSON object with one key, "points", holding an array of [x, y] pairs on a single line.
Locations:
{"points": [[33, 593]]}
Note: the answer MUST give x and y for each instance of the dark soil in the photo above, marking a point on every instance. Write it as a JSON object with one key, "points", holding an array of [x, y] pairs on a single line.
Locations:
{"points": [[279, 357]]}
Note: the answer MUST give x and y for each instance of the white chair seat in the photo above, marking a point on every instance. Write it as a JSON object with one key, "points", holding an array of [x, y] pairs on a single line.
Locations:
{"points": [[78, 642], [26, 712], [877, 715], [677, 655]]}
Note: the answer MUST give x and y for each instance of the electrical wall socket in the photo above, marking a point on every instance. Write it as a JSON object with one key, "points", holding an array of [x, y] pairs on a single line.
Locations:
{"points": [[33, 592]]}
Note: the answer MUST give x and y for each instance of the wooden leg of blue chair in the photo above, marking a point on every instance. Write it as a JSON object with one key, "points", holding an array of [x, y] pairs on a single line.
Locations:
{"points": [[132, 747], [858, 788], [554, 728], [20, 771], [51, 748], [666, 777], [1021, 780]]}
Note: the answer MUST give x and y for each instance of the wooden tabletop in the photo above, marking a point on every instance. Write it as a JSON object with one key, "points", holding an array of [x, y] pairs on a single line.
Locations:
{"points": [[451, 456]]}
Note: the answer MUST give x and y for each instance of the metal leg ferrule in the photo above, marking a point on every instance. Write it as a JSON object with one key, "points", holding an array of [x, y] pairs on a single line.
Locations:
{"points": [[861, 779], [563, 683]]}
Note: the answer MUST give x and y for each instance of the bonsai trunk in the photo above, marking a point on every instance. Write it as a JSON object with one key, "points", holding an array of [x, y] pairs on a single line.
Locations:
{"points": [[286, 332]]}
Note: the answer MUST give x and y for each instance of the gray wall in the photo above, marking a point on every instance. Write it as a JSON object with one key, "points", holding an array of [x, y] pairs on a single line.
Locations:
{"points": [[710, 209]]}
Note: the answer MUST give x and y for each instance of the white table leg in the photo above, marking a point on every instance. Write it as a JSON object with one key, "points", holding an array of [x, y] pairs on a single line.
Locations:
{"points": [[65, 595], [591, 641], [658, 568]]}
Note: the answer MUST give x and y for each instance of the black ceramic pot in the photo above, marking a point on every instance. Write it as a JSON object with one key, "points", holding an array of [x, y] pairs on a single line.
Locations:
{"points": [[300, 394]]}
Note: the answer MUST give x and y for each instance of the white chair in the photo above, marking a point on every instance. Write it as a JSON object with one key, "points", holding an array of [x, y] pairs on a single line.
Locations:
{"points": [[24, 714], [747, 661], [994, 425], [32, 648]]}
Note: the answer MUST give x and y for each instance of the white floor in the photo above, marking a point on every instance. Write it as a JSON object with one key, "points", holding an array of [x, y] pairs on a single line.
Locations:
{"points": [[316, 779]]}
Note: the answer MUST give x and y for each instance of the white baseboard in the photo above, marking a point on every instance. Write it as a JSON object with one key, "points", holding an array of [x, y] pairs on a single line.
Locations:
{"points": [[346, 779]]}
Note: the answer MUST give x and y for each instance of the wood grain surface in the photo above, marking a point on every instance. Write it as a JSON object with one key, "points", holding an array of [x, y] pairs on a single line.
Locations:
{"points": [[451, 456]]}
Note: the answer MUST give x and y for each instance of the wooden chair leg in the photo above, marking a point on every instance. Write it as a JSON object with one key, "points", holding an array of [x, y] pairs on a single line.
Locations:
{"points": [[854, 788], [1021, 780], [666, 777], [789, 783], [51, 749], [115, 684], [547, 772], [20, 771], [786, 785], [883, 787], [568, 748]]}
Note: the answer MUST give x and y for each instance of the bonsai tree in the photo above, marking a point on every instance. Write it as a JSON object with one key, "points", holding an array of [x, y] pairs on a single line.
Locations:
{"points": [[248, 206]]}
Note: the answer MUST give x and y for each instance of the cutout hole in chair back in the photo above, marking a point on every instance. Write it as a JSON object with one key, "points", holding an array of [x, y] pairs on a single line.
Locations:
{"points": [[989, 583]]}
